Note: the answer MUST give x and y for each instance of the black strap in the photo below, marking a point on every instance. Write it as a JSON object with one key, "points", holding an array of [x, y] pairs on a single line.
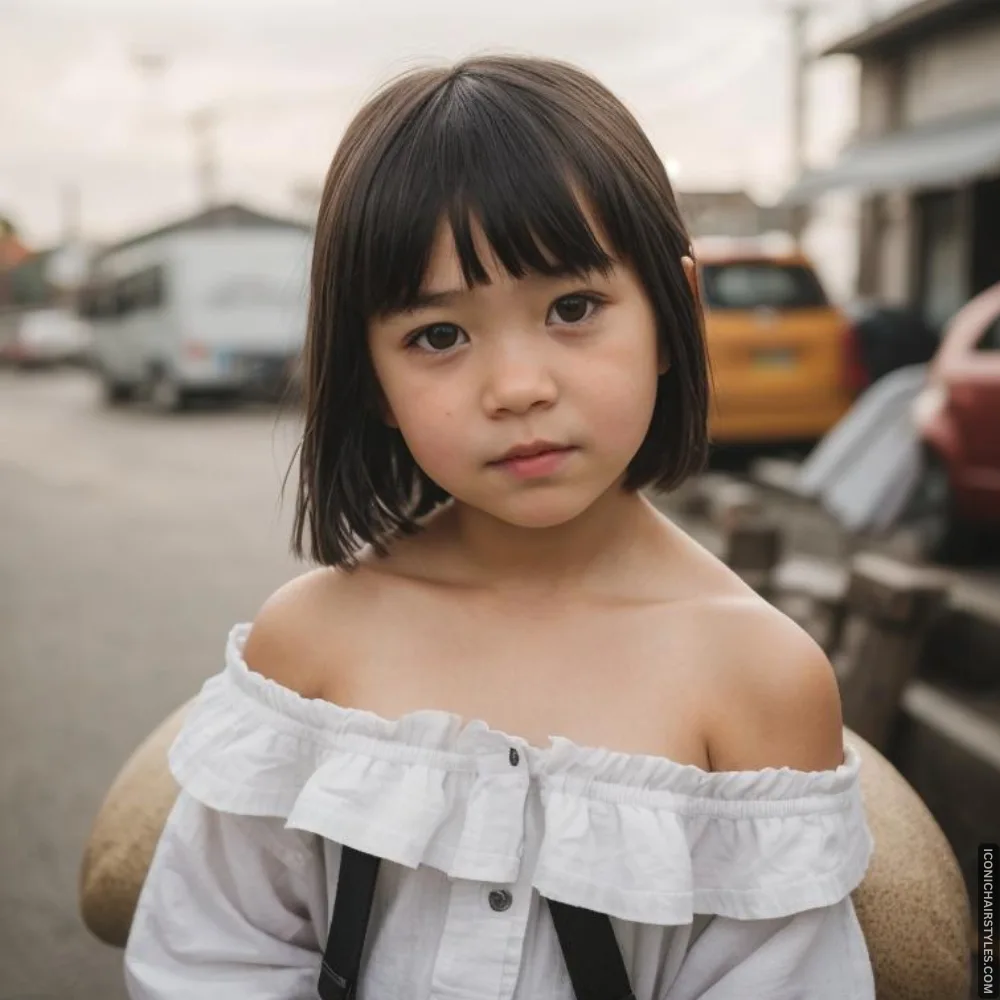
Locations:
{"points": [[352, 906], [590, 949], [587, 939]]}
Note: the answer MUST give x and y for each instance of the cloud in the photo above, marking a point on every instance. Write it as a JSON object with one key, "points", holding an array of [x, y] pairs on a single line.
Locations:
{"points": [[706, 79]]}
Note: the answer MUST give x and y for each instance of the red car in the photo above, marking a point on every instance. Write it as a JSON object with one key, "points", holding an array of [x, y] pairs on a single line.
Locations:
{"points": [[958, 417]]}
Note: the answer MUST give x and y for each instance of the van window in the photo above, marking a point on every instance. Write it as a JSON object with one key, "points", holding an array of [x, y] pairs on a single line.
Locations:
{"points": [[98, 301], [761, 285], [151, 288], [139, 291], [127, 294]]}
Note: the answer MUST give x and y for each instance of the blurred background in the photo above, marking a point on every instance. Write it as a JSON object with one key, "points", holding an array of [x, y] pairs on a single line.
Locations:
{"points": [[838, 162]]}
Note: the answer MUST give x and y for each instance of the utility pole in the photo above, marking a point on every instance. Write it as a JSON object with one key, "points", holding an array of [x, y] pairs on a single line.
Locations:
{"points": [[202, 123], [799, 14], [202, 126], [70, 211], [152, 66]]}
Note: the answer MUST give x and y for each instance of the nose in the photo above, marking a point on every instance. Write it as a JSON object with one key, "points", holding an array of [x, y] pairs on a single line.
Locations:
{"points": [[519, 378]]}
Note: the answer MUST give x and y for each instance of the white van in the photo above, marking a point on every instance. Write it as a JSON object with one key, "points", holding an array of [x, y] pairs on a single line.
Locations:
{"points": [[48, 336], [214, 305]]}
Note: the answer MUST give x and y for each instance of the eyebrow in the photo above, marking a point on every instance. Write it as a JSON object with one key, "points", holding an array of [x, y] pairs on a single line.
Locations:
{"points": [[430, 298]]}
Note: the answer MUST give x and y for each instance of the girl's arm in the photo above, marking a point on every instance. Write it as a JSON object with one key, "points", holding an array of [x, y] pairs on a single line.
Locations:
{"points": [[229, 911], [779, 707]]}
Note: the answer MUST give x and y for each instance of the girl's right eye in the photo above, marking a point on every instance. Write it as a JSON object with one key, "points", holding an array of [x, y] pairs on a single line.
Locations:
{"points": [[439, 338]]}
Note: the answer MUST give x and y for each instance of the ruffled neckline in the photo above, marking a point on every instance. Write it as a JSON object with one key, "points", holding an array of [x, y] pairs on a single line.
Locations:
{"points": [[446, 738], [642, 838]]}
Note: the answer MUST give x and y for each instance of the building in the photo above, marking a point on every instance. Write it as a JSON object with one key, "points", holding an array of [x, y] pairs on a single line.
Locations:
{"points": [[926, 158], [233, 216], [729, 213]]}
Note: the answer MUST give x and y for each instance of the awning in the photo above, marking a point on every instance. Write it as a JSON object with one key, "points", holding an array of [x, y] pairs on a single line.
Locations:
{"points": [[947, 152]]}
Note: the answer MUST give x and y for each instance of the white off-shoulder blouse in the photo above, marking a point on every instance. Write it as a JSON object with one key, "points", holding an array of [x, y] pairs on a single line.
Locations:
{"points": [[720, 885]]}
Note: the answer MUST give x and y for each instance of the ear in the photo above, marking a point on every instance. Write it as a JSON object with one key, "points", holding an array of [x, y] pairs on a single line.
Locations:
{"points": [[691, 273]]}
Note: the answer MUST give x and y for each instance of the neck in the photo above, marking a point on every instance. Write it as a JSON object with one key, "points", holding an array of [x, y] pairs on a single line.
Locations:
{"points": [[586, 553]]}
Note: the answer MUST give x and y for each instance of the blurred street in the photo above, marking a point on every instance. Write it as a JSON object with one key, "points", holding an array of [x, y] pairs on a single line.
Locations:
{"points": [[128, 545]]}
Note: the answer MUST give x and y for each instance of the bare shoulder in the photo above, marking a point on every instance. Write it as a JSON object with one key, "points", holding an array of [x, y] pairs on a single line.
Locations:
{"points": [[775, 701], [306, 629], [315, 632]]}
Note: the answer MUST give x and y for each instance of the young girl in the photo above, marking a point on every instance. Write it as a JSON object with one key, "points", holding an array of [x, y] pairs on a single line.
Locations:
{"points": [[504, 348]]}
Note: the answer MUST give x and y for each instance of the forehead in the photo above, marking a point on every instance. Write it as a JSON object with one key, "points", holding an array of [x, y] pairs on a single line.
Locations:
{"points": [[445, 271]]}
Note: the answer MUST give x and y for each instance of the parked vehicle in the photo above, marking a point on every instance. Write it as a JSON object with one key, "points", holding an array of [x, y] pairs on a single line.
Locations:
{"points": [[889, 338], [958, 419], [785, 362], [201, 309], [43, 338]]}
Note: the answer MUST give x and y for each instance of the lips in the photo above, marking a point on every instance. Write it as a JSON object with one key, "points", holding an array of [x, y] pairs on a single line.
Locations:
{"points": [[539, 460], [531, 450]]}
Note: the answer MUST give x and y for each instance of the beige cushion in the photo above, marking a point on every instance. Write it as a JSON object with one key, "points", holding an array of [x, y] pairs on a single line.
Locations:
{"points": [[912, 904], [124, 835]]}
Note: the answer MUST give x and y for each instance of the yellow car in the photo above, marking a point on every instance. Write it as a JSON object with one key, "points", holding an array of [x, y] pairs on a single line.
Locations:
{"points": [[784, 360]]}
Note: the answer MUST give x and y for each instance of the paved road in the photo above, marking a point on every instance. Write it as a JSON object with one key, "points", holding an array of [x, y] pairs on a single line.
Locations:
{"points": [[129, 543]]}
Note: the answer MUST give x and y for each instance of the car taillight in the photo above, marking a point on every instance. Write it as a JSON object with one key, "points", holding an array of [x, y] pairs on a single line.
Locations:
{"points": [[195, 350], [856, 376]]}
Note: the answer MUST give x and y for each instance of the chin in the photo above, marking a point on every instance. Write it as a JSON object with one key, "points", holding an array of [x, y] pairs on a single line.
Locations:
{"points": [[539, 511]]}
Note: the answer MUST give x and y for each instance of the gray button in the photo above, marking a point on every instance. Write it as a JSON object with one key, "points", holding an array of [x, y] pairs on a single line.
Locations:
{"points": [[514, 757], [500, 900]]}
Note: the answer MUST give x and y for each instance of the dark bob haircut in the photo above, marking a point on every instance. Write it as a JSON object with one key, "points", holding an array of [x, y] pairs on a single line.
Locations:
{"points": [[522, 147]]}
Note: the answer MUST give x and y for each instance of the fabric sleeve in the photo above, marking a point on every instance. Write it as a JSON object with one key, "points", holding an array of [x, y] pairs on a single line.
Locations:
{"points": [[813, 955], [229, 911]]}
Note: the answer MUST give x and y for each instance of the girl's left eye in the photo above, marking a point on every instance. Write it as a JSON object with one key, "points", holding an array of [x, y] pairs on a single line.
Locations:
{"points": [[573, 309]]}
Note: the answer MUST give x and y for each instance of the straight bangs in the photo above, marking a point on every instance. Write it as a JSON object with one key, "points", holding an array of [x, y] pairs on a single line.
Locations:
{"points": [[478, 154]]}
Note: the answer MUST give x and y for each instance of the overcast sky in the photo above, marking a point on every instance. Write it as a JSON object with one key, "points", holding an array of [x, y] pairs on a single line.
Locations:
{"points": [[709, 79]]}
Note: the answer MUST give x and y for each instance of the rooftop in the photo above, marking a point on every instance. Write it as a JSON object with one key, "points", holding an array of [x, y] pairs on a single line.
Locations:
{"points": [[228, 216], [912, 24]]}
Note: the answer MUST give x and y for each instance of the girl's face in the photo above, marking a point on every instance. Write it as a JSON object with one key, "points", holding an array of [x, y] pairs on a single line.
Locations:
{"points": [[471, 373]]}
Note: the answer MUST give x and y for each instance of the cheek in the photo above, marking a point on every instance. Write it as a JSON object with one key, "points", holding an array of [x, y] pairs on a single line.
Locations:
{"points": [[432, 426], [621, 401]]}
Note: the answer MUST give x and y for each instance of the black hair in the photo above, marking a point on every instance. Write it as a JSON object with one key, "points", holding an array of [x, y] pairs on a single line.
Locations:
{"points": [[524, 148]]}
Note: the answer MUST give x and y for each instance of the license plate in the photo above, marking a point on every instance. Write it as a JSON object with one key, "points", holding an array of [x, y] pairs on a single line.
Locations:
{"points": [[774, 359], [251, 367]]}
